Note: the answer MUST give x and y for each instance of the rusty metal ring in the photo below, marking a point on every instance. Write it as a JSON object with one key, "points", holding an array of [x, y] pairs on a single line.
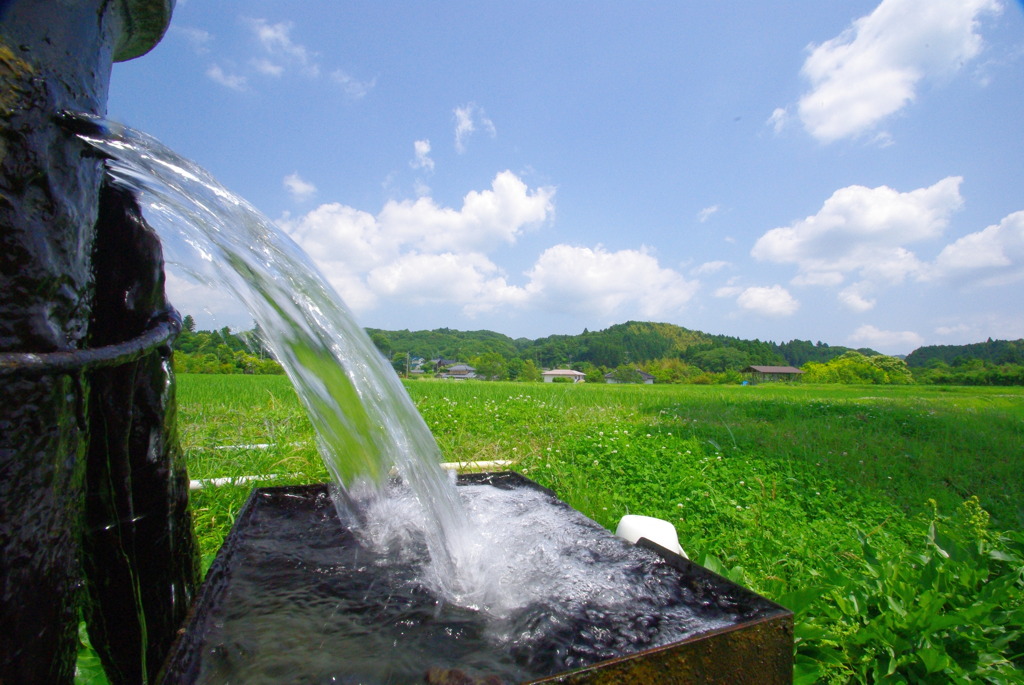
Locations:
{"points": [[162, 331]]}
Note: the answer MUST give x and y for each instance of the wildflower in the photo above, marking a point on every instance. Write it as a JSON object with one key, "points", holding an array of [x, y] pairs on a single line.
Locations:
{"points": [[742, 483], [595, 462], [680, 505], [739, 508]]}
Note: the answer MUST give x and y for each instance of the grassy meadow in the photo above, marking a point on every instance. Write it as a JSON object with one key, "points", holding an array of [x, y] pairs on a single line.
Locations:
{"points": [[888, 518]]}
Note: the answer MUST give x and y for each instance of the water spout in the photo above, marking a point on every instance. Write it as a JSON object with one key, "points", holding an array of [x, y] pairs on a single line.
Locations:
{"points": [[365, 422]]}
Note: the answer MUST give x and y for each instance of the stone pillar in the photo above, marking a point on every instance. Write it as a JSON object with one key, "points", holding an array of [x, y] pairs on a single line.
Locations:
{"points": [[54, 56]]}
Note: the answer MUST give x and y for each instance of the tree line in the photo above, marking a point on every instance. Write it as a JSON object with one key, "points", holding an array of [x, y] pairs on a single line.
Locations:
{"points": [[668, 353], [630, 343], [222, 351]]}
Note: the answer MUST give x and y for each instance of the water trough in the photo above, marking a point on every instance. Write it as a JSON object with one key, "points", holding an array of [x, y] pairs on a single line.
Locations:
{"points": [[292, 596]]}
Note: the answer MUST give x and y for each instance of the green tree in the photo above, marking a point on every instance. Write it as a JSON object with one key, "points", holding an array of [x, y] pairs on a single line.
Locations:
{"points": [[400, 362], [721, 359], [382, 342], [490, 366], [854, 367], [626, 374], [529, 373]]}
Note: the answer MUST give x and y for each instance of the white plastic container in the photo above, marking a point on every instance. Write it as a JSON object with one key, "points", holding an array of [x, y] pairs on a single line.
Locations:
{"points": [[633, 527]]}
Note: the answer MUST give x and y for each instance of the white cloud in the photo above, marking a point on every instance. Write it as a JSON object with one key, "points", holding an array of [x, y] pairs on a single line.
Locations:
{"points": [[706, 213], [893, 342], [778, 119], [468, 119], [266, 67], [352, 87], [487, 217], [627, 283], [299, 189], [233, 81], [421, 253], [422, 159], [769, 301], [993, 256], [418, 249], [420, 188], [469, 280], [958, 329], [728, 291], [863, 230], [825, 278], [857, 298], [198, 39], [708, 268], [280, 54], [276, 41], [342, 239], [219, 303], [872, 69]]}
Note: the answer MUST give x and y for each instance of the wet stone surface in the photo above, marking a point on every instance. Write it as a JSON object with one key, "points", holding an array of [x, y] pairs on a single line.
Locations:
{"points": [[296, 596]]}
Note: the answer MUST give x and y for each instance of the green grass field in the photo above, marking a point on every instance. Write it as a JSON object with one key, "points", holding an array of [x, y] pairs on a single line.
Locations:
{"points": [[887, 518]]}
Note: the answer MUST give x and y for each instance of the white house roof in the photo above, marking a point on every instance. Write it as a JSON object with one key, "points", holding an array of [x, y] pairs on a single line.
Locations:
{"points": [[562, 372]]}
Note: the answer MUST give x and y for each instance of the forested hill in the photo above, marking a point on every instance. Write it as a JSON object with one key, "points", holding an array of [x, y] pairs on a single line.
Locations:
{"points": [[626, 343], [995, 351]]}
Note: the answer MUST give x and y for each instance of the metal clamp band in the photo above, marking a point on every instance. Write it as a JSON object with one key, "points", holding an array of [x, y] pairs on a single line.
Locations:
{"points": [[162, 331]]}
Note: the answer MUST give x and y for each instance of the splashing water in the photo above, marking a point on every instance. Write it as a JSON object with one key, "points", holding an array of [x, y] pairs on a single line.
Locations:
{"points": [[364, 419], [512, 560]]}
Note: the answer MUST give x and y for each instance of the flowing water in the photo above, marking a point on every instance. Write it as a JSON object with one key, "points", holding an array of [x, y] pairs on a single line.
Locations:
{"points": [[577, 597], [365, 422], [500, 559]]}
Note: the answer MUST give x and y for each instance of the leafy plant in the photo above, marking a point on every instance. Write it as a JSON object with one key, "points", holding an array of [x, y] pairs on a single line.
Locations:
{"points": [[952, 611]]}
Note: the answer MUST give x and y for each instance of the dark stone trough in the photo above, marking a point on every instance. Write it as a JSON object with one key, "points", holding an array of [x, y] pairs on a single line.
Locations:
{"points": [[290, 599]]}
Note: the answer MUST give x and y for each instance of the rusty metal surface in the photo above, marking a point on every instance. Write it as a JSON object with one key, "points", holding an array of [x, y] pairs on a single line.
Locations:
{"points": [[758, 648]]}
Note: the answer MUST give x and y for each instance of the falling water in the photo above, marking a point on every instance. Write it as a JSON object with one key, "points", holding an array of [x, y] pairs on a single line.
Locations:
{"points": [[364, 419], [512, 560]]}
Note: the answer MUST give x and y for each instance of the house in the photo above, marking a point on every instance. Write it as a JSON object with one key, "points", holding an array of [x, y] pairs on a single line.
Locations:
{"points": [[458, 372], [644, 377], [574, 376], [773, 373]]}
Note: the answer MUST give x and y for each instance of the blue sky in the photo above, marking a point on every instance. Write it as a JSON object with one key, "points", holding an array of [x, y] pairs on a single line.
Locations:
{"points": [[850, 172]]}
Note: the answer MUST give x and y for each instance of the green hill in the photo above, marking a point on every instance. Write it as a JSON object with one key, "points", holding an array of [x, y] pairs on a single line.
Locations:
{"points": [[996, 352], [633, 342]]}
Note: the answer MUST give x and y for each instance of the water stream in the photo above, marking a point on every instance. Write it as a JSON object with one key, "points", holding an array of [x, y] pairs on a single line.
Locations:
{"points": [[364, 419], [509, 560]]}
